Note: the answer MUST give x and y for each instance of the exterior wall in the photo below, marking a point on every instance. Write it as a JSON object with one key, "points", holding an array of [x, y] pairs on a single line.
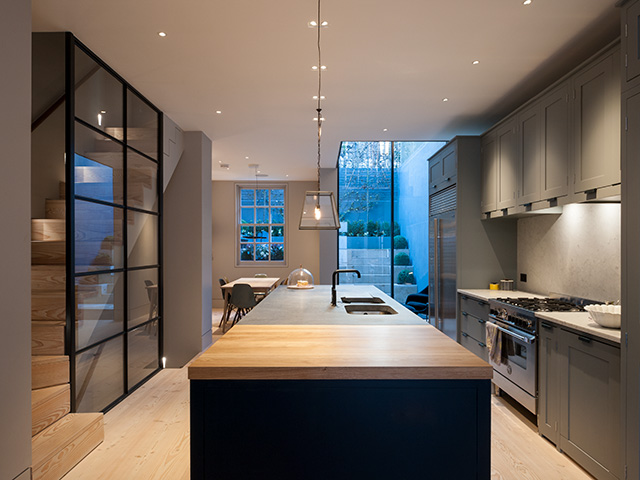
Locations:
{"points": [[15, 283], [302, 246], [577, 253], [187, 253]]}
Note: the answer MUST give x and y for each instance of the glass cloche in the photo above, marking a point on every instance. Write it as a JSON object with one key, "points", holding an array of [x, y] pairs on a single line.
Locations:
{"points": [[300, 278]]}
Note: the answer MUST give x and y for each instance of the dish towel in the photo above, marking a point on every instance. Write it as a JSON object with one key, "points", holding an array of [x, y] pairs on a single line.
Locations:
{"points": [[494, 343]]}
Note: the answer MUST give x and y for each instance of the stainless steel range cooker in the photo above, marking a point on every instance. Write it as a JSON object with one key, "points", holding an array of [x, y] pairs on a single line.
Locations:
{"points": [[515, 369]]}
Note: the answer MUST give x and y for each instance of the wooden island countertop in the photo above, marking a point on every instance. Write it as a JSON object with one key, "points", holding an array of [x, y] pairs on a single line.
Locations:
{"points": [[334, 352]]}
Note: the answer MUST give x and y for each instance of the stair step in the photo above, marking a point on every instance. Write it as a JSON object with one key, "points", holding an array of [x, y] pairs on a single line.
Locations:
{"points": [[48, 305], [47, 229], [49, 370], [54, 208], [48, 405], [48, 253], [58, 448], [62, 190], [47, 337], [48, 277]]}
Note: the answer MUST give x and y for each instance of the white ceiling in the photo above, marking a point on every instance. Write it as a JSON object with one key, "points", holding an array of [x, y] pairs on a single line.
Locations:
{"points": [[389, 65]]}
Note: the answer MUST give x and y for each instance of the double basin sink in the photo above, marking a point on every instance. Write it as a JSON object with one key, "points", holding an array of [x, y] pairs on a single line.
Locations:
{"points": [[366, 306]]}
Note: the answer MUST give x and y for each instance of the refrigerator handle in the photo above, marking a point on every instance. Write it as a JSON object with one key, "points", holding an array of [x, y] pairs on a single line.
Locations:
{"points": [[436, 302]]}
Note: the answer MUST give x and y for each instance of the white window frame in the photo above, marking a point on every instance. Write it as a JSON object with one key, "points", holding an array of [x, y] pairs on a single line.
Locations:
{"points": [[238, 250]]}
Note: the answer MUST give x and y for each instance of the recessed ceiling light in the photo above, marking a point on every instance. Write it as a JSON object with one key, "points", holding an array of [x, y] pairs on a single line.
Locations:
{"points": [[385, 129], [103, 111], [313, 24], [286, 175], [315, 119], [218, 112], [526, 2], [315, 97], [324, 24], [162, 34], [476, 62], [445, 99], [322, 67]]}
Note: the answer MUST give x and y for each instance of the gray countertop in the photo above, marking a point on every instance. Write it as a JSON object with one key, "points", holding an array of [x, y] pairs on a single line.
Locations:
{"points": [[285, 306], [486, 294]]}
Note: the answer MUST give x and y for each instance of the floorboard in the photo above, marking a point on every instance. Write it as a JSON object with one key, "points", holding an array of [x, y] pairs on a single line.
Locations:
{"points": [[147, 437]]}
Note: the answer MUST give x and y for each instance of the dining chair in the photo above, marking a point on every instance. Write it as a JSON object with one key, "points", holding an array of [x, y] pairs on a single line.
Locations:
{"points": [[228, 306], [243, 300]]}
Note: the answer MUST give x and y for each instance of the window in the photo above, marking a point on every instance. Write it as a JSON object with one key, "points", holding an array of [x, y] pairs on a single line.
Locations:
{"points": [[261, 224]]}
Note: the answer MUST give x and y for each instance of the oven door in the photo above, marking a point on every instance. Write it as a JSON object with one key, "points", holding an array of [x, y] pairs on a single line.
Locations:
{"points": [[518, 362]]}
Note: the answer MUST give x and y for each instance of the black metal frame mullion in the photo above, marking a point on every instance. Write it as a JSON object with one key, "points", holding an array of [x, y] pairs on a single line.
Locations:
{"points": [[70, 263], [160, 190], [393, 207], [125, 244]]}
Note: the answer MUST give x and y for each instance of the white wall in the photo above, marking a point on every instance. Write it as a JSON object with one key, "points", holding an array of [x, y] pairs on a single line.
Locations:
{"points": [[577, 253], [15, 282], [302, 246], [328, 238]]}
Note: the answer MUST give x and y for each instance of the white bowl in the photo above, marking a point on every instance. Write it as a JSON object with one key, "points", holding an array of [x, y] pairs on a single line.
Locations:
{"points": [[605, 315]]}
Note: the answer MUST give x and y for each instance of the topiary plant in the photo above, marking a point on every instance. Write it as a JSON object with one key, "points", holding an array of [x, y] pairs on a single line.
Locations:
{"points": [[400, 243], [401, 259], [355, 228], [406, 276]]}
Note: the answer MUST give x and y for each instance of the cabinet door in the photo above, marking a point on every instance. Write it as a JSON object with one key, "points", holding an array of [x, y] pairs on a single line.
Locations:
{"points": [[631, 39], [442, 168], [549, 382], [555, 113], [590, 406], [596, 130], [529, 140], [489, 173], [507, 158]]}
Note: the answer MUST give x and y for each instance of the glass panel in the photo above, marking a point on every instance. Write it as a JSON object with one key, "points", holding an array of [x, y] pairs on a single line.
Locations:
{"points": [[247, 215], [277, 251], [246, 252], [98, 99], [142, 239], [246, 234], [262, 252], [99, 376], [99, 307], [143, 296], [262, 197], [277, 233], [277, 215], [262, 215], [142, 182], [277, 197], [143, 352], [262, 234], [98, 166], [98, 237], [246, 197], [142, 126]]}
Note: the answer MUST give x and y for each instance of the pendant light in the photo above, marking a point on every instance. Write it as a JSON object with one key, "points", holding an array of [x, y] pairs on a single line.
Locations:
{"points": [[319, 210]]}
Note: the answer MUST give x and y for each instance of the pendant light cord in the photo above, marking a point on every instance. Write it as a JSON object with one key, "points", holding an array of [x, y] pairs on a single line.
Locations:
{"points": [[319, 104]]}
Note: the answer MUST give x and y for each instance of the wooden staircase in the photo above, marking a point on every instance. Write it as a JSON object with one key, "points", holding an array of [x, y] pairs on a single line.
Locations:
{"points": [[59, 439]]}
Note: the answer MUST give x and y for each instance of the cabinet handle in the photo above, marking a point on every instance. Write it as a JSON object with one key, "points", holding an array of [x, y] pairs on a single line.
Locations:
{"points": [[465, 334], [464, 314], [481, 320], [546, 325], [481, 344], [464, 297], [584, 339]]}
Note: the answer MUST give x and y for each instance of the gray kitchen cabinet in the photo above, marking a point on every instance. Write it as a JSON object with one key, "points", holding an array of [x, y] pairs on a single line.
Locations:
{"points": [[473, 318], [489, 173], [579, 398], [596, 124], [555, 147], [443, 168], [529, 155], [507, 163], [631, 41]]}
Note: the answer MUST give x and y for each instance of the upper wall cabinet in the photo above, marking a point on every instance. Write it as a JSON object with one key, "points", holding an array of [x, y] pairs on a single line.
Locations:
{"points": [[489, 172], [442, 168], [631, 41], [596, 128], [507, 160], [529, 157]]}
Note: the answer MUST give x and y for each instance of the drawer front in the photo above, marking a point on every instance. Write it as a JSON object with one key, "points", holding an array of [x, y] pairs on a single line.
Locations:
{"points": [[474, 326], [477, 308], [474, 346]]}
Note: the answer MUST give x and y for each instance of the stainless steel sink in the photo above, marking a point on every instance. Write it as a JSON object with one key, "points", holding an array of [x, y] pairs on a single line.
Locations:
{"points": [[369, 310], [361, 300]]}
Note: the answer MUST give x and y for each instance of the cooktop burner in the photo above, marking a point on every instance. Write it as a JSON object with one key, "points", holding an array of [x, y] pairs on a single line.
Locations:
{"points": [[542, 304]]}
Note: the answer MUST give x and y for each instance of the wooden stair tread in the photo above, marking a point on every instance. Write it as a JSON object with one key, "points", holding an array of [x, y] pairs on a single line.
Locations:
{"points": [[47, 229], [59, 447], [48, 252], [48, 277], [54, 208], [49, 370], [47, 337], [48, 305], [48, 405]]}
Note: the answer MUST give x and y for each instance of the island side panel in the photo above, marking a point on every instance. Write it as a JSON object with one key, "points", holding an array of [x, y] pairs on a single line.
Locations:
{"points": [[319, 429]]}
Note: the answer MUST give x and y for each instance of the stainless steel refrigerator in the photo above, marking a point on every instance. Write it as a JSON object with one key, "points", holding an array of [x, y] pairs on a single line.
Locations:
{"points": [[442, 261]]}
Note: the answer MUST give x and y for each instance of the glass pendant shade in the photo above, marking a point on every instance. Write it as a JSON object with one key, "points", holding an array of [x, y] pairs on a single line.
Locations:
{"points": [[319, 212]]}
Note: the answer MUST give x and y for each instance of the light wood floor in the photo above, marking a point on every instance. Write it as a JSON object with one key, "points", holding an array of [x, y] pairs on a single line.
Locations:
{"points": [[147, 437]]}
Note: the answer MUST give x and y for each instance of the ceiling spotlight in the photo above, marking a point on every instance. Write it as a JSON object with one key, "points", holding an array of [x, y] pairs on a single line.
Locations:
{"points": [[313, 23], [162, 34], [218, 112], [322, 67], [385, 129], [526, 2], [476, 62], [103, 111], [315, 119], [246, 158], [445, 99], [324, 24], [315, 97], [287, 176]]}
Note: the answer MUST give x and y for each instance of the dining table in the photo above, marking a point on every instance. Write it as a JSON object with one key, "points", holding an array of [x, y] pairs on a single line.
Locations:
{"points": [[260, 285]]}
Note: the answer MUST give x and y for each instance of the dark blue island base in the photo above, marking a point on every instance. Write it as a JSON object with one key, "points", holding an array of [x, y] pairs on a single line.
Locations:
{"points": [[340, 429]]}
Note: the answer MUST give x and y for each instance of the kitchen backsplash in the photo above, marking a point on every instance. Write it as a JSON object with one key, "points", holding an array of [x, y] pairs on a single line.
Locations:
{"points": [[576, 253]]}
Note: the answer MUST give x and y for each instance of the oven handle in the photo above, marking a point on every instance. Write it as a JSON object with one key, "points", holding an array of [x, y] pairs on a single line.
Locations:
{"points": [[522, 338]]}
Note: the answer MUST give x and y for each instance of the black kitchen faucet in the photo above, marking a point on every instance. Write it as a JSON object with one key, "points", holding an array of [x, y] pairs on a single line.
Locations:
{"points": [[333, 281]]}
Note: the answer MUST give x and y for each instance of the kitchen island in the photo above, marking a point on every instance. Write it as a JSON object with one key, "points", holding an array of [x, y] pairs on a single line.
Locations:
{"points": [[300, 389]]}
